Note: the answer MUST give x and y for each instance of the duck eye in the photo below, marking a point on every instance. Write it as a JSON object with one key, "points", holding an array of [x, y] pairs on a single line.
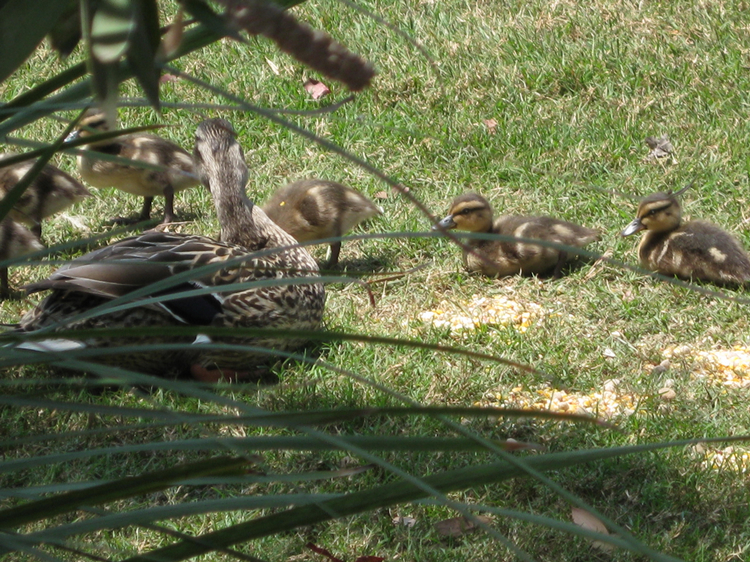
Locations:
{"points": [[651, 213]]}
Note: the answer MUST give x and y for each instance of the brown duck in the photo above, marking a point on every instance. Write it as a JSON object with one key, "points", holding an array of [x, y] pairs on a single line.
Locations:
{"points": [[50, 192], [690, 250], [497, 258], [137, 262], [315, 209], [171, 167]]}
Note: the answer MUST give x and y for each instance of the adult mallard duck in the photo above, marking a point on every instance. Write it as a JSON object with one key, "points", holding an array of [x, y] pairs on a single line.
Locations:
{"points": [[15, 241], [50, 192], [315, 209], [497, 258], [690, 250], [137, 262], [175, 165]]}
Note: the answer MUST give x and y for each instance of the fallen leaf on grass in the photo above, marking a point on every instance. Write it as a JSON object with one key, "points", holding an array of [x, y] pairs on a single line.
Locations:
{"points": [[459, 526], [316, 89], [491, 125], [660, 148], [319, 550], [584, 519], [164, 78], [273, 65], [381, 195], [404, 520]]}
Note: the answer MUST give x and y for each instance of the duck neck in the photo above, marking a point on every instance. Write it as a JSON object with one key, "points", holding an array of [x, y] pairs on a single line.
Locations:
{"points": [[233, 209]]}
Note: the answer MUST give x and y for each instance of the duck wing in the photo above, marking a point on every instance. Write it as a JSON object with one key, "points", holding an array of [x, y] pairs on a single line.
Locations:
{"points": [[133, 263]]}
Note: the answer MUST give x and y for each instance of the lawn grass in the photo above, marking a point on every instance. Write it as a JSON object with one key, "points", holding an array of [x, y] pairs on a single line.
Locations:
{"points": [[574, 89]]}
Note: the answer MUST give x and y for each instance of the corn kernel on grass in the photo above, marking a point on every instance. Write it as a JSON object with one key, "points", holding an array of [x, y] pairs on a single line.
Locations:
{"points": [[728, 367]]}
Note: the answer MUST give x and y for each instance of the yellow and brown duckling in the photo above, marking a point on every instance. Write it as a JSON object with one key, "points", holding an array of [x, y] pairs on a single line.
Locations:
{"points": [[314, 209], [171, 167], [50, 192], [690, 250], [136, 262], [497, 258], [15, 241]]}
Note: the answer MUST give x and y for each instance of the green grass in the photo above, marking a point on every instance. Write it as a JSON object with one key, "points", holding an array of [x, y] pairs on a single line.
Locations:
{"points": [[574, 88]]}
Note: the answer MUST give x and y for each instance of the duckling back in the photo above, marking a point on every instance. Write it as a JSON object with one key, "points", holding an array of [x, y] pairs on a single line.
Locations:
{"points": [[51, 191], [314, 209], [697, 250], [527, 258]]}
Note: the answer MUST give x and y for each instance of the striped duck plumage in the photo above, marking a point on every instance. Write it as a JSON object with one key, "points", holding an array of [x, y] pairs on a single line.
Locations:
{"points": [[690, 250], [175, 165], [497, 258], [314, 209], [50, 192], [15, 241], [137, 262]]}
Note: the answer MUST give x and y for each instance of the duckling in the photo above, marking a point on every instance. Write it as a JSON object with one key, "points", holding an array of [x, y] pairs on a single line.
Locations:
{"points": [[15, 241], [50, 192], [314, 209], [690, 250], [176, 165], [497, 258], [131, 264]]}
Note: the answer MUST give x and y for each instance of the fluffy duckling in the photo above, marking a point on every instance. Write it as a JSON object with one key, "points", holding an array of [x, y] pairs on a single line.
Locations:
{"points": [[315, 209], [137, 262], [15, 241], [497, 258], [176, 165], [51, 192], [690, 250]]}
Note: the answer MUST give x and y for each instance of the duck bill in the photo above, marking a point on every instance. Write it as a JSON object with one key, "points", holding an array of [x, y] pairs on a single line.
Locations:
{"points": [[447, 223], [633, 227], [74, 135]]}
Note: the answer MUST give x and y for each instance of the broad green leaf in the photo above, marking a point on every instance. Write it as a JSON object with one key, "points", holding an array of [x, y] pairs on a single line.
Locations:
{"points": [[120, 489], [23, 25], [112, 23], [144, 43]]}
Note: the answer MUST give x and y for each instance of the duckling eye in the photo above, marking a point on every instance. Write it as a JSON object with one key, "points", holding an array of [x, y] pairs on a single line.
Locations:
{"points": [[464, 211], [651, 213]]}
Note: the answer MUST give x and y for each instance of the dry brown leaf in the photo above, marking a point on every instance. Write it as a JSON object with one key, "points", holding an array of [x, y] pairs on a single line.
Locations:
{"points": [[381, 195], [584, 519], [172, 37], [491, 125], [316, 89], [404, 520], [320, 550], [273, 65], [164, 78], [459, 526], [660, 148]]}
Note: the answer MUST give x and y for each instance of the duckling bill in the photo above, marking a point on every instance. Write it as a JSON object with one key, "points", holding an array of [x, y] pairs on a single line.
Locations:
{"points": [[496, 258], [690, 250]]}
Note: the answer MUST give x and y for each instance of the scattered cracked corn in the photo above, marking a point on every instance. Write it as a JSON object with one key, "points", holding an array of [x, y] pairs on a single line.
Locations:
{"points": [[606, 403], [730, 367], [730, 458], [480, 311]]}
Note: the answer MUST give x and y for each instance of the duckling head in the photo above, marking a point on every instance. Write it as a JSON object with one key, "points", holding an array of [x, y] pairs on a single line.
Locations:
{"points": [[94, 120], [659, 212], [470, 212]]}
